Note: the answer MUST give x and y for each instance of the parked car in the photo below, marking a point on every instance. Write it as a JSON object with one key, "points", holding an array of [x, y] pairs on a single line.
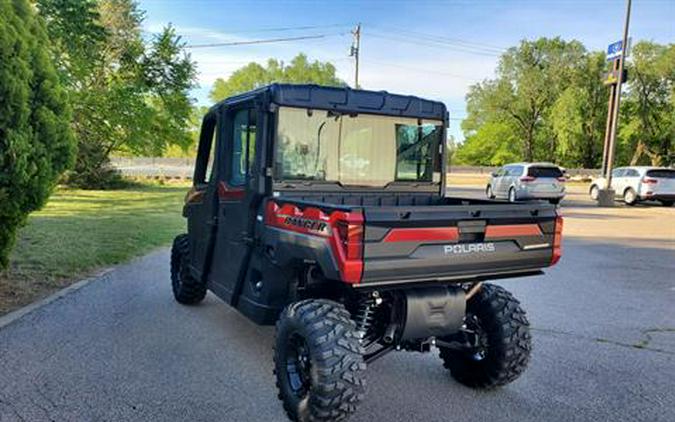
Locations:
{"points": [[635, 184], [523, 181], [352, 263]]}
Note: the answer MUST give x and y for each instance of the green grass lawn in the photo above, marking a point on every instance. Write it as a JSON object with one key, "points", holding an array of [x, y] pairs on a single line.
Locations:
{"points": [[80, 231]]}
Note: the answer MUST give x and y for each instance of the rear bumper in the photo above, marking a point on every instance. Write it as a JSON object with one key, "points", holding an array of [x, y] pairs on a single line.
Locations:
{"points": [[526, 194], [462, 278], [658, 197]]}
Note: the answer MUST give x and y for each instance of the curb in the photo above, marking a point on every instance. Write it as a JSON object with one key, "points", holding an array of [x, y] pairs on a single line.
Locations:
{"points": [[15, 315]]}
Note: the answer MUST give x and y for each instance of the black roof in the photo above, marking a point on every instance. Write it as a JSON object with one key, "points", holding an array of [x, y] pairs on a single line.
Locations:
{"points": [[343, 99]]}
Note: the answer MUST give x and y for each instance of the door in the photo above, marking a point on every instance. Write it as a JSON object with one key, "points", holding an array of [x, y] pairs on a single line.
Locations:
{"points": [[499, 180], [510, 178], [618, 181], [199, 202], [235, 195], [631, 179]]}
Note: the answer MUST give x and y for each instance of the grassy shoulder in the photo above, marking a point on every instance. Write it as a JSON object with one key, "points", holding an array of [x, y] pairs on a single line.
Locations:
{"points": [[81, 231]]}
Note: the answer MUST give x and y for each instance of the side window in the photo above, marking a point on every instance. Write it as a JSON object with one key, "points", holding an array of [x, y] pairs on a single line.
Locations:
{"points": [[243, 146], [506, 171], [618, 172], [513, 170], [631, 173], [205, 152]]}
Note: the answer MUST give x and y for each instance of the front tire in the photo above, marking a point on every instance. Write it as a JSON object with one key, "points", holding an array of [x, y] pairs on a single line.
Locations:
{"points": [[555, 201], [503, 337], [318, 361], [489, 193], [186, 289], [667, 203], [630, 197]]}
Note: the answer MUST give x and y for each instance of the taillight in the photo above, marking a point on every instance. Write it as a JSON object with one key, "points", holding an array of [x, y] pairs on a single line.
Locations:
{"points": [[649, 181], [351, 238], [528, 179], [557, 240], [347, 243], [561, 179]]}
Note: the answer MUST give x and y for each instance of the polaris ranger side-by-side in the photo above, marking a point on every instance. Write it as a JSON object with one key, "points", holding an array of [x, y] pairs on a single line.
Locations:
{"points": [[323, 210]]}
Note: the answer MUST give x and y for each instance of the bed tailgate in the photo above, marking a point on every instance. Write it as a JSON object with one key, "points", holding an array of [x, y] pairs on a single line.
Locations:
{"points": [[404, 244]]}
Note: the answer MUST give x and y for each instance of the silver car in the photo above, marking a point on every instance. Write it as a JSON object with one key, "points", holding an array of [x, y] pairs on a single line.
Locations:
{"points": [[635, 184], [523, 181]]}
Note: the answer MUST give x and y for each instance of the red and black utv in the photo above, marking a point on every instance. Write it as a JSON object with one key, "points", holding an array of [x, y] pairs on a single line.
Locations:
{"points": [[323, 210]]}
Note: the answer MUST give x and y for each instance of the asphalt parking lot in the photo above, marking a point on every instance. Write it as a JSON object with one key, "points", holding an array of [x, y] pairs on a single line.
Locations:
{"points": [[121, 349]]}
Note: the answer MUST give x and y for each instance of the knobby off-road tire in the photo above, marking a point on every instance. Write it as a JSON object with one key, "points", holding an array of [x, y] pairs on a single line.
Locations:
{"points": [[504, 334], [330, 384], [186, 289]]}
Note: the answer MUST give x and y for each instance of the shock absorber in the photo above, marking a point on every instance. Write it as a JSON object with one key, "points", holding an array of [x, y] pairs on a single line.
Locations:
{"points": [[365, 313]]}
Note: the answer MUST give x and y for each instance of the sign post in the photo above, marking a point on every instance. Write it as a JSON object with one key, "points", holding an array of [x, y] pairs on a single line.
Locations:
{"points": [[617, 52]]}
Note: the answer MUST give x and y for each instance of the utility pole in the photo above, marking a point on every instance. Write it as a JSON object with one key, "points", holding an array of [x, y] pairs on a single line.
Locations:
{"points": [[606, 196], [617, 98], [354, 52]]}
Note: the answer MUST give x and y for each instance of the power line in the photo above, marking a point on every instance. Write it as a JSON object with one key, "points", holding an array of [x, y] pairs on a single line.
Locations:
{"points": [[264, 41], [290, 28], [435, 45], [446, 39], [418, 69]]}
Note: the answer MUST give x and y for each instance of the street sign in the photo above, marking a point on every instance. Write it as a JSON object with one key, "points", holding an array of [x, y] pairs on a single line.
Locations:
{"points": [[612, 77], [615, 48]]}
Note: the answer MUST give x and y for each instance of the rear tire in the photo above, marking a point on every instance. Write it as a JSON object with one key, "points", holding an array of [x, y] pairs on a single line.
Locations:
{"points": [[186, 289], [504, 334], [630, 197], [512, 195], [667, 203], [489, 193], [594, 192], [318, 361]]}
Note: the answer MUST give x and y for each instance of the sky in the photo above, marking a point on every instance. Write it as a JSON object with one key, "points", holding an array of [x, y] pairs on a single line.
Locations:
{"points": [[432, 49]]}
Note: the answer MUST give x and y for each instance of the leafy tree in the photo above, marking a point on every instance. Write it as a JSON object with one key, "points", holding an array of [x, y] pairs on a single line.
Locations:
{"points": [[648, 109], [253, 75], [529, 79], [493, 144], [36, 144], [579, 115], [129, 95]]}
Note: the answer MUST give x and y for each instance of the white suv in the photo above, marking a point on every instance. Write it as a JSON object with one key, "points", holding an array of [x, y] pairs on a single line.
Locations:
{"points": [[635, 184]]}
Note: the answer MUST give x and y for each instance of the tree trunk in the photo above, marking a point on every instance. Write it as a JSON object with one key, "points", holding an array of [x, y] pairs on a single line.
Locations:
{"points": [[529, 148]]}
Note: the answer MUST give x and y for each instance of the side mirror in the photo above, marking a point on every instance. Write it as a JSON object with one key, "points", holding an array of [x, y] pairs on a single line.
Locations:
{"points": [[495, 174]]}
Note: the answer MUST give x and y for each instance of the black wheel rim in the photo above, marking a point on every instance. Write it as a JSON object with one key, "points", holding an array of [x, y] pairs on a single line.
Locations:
{"points": [[479, 340], [298, 365]]}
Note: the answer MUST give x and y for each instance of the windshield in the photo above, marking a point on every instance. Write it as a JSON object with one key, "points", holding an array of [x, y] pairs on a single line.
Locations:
{"points": [[355, 149]]}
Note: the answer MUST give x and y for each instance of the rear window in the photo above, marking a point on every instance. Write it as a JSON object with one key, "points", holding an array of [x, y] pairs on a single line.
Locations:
{"points": [[544, 172], [662, 174]]}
